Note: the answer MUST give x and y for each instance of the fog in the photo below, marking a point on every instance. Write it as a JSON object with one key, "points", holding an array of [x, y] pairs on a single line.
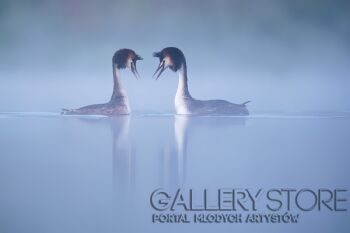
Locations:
{"points": [[282, 55]]}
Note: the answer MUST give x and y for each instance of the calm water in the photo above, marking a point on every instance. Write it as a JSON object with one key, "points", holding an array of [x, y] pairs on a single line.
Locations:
{"points": [[96, 174]]}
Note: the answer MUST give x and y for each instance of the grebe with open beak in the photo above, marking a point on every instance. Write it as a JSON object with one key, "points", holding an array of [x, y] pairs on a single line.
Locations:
{"points": [[118, 104], [174, 59]]}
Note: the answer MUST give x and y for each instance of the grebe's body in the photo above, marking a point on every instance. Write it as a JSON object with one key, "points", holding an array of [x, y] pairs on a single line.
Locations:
{"points": [[118, 104], [209, 107], [184, 103]]}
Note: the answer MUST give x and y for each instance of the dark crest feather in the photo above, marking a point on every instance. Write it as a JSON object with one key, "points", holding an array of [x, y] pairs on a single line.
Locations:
{"points": [[176, 55], [121, 56], [157, 54]]}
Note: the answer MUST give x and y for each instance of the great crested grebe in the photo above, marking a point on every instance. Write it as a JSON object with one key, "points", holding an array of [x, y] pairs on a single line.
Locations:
{"points": [[118, 104], [174, 59]]}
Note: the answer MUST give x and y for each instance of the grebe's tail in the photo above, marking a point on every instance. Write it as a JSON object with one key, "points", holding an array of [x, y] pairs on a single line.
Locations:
{"points": [[65, 111], [244, 103]]}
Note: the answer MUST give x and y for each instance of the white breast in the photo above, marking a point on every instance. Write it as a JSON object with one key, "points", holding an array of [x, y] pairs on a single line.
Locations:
{"points": [[181, 105]]}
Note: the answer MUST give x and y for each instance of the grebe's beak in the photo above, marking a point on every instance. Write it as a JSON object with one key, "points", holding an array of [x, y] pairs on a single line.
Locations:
{"points": [[133, 67], [161, 66], [159, 70]]}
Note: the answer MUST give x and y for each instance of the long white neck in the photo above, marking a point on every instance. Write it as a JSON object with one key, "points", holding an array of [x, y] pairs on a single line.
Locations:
{"points": [[117, 87], [182, 88]]}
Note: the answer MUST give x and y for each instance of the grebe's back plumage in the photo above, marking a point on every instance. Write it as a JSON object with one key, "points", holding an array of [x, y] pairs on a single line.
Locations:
{"points": [[116, 106], [215, 107], [119, 103], [175, 60]]}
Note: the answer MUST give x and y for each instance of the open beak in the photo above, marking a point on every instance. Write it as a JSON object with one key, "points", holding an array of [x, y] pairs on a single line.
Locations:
{"points": [[134, 70], [133, 67], [159, 70]]}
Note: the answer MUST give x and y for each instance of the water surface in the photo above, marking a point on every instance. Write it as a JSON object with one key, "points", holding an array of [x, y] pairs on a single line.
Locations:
{"points": [[96, 174]]}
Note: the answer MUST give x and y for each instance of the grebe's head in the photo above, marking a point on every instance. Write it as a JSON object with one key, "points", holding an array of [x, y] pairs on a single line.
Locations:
{"points": [[126, 58], [170, 57]]}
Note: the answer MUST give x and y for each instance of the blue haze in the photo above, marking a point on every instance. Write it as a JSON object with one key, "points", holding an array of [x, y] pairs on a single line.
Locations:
{"points": [[282, 55], [95, 174]]}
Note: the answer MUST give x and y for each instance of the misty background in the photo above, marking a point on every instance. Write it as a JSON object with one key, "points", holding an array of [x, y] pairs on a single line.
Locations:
{"points": [[282, 55]]}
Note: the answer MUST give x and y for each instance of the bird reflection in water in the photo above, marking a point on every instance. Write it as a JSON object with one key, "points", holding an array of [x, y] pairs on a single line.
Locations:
{"points": [[123, 157], [175, 158]]}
